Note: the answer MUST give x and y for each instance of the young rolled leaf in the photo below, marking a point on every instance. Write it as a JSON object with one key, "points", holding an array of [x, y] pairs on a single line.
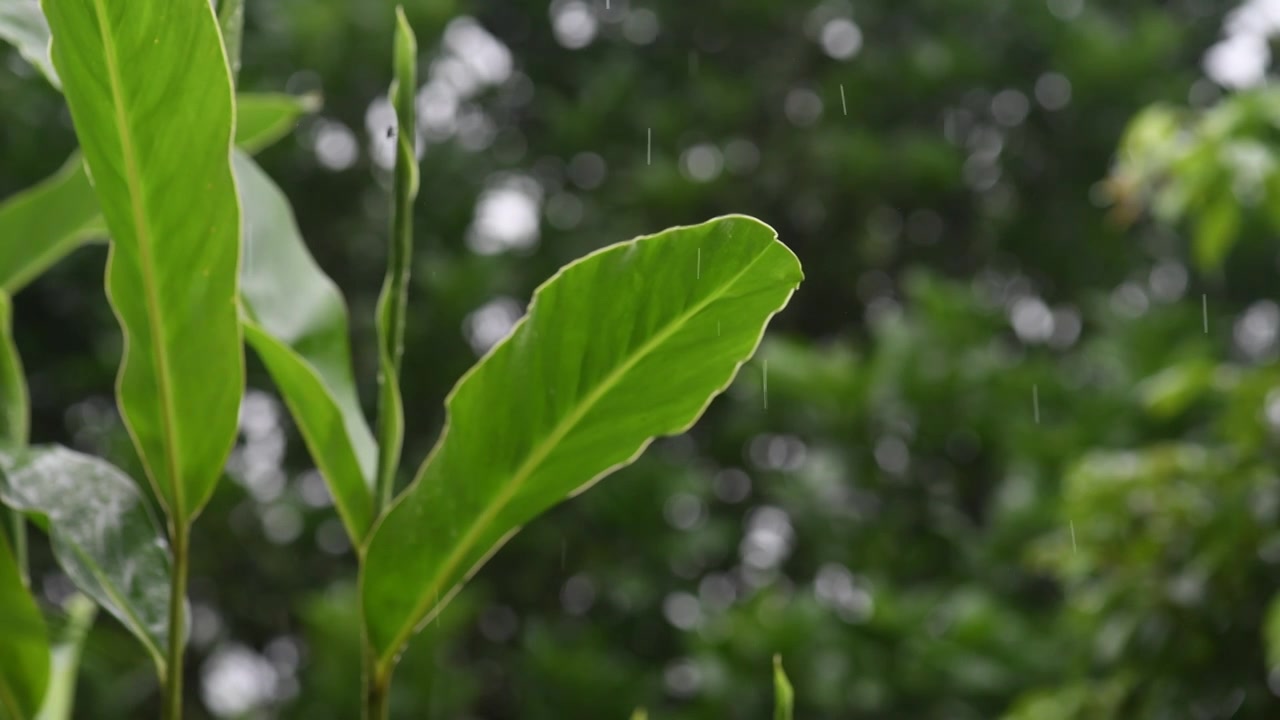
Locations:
{"points": [[784, 697], [624, 345], [296, 321], [24, 643], [104, 536], [395, 289], [23, 26], [43, 224], [150, 96], [64, 666]]}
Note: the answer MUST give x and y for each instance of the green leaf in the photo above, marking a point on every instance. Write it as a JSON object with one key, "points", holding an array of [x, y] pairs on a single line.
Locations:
{"points": [[784, 697], [24, 643], [43, 224], [59, 699], [150, 95], [15, 421], [103, 534], [639, 714], [624, 345], [296, 321], [395, 288], [14, 404], [23, 26], [264, 118]]}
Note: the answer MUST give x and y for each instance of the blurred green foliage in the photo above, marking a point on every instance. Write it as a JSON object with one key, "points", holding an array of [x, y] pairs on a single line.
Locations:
{"points": [[1016, 458]]}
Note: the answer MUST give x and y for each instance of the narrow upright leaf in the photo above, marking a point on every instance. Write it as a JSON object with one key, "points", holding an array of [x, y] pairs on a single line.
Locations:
{"points": [[784, 697], [395, 289], [23, 26], [24, 644], [43, 224], [150, 95], [103, 535], [624, 345], [296, 321], [64, 665]]}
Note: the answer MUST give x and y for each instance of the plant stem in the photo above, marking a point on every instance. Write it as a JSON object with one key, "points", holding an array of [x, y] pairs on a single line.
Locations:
{"points": [[377, 689], [395, 288], [179, 531]]}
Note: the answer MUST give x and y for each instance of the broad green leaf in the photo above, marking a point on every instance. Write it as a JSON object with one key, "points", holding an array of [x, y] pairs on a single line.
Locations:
{"points": [[624, 345], [395, 288], [24, 643], [64, 666], [150, 96], [23, 26], [296, 321], [102, 532], [784, 697], [43, 224]]}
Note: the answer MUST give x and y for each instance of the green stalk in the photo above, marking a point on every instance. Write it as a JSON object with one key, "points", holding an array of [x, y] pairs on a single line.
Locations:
{"points": [[377, 689], [179, 532], [395, 288], [391, 322]]}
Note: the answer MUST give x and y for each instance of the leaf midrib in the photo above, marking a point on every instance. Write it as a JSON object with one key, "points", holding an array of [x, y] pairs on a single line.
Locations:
{"points": [[136, 201], [545, 447]]}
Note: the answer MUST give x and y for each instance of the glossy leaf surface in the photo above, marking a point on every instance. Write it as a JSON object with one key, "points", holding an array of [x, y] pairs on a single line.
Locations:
{"points": [[784, 697], [624, 345], [103, 534], [296, 321], [150, 96]]}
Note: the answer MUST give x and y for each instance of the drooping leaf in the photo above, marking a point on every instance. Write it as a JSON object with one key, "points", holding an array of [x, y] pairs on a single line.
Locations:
{"points": [[150, 96], [59, 699], [262, 119], [784, 698], [296, 321], [23, 26], [624, 345], [24, 643], [395, 288], [43, 224], [102, 532]]}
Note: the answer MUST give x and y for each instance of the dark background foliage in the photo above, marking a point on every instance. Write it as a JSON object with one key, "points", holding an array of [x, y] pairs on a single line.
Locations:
{"points": [[1001, 469]]}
